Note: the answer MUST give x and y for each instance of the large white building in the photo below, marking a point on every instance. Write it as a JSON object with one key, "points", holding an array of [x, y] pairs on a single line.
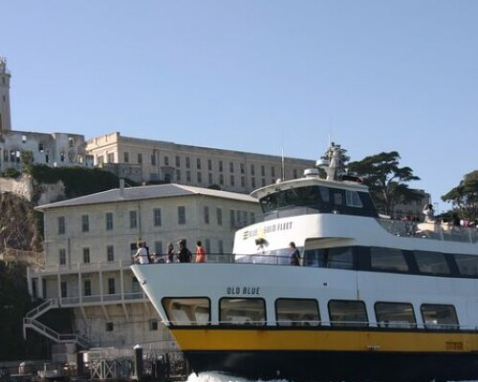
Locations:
{"points": [[89, 242], [145, 160]]}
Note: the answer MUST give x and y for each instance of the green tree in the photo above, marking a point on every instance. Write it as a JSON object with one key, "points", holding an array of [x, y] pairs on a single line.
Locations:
{"points": [[27, 159], [464, 197], [386, 180]]}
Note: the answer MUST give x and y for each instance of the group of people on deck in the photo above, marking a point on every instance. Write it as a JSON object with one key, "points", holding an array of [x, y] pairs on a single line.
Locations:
{"points": [[182, 255]]}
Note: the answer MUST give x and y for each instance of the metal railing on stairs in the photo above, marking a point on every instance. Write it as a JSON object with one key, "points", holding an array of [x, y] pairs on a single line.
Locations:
{"points": [[43, 308], [31, 323]]}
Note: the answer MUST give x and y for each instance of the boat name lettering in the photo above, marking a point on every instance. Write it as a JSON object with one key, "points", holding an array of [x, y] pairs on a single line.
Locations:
{"points": [[266, 229], [243, 290]]}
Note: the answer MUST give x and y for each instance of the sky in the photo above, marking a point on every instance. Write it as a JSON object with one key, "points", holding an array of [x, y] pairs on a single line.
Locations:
{"points": [[255, 75]]}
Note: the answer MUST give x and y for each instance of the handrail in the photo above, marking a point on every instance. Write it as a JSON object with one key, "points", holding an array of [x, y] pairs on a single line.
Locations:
{"points": [[59, 338], [35, 312]]}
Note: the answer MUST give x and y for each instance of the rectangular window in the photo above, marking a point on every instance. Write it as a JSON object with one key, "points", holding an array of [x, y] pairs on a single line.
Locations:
{"points": [[439, 316], [242, 311], [153, 158], [140, 158], [109, 326], [188, 162], [178, 175], [243, 181], [221, 166], [232, 215], [467, 264], [62, 256], [253, 182], [135, 288], [432, 263], [157, 217], [199, 177], [252, 217], [187, 311], [220, 247], [263, 182], [181, 215], [221, 179], [153, 325], [243, 168], [198, 163], [109, 221], [85, 223], [388, 259], [126, 157], [352, 199], [209, 178], [297, 312], [295, 173], [231, 167], [347, 313], [86, 255], [207, 244], [87, 288], [61, 225], [273, 172], [188, 176], [64, 289], [219, 216], [253, 170], [338, 258], [111, 285], [206, 214], [111, 158], [233, 180], [110, 253], [166, 161], [395, 315], [338, 198], [133, 219], [209, 164], [263, 170], [158, 247]]}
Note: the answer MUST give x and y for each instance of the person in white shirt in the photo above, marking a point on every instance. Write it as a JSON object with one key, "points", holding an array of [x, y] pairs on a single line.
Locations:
{"points": [[141, 255]]}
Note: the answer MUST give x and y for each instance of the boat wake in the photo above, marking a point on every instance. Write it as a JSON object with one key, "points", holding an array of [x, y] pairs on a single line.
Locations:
{"points": [[215, 376]]}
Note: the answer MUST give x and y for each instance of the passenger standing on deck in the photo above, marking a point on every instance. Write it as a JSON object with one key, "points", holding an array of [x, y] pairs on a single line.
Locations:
{"points": [[294, 254], [429, 214], [184, 254], [170, 253], [200, 252], [141, 256]]}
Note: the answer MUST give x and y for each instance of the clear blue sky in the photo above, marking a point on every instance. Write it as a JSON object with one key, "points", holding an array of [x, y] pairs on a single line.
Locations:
{"points": [[249, 75]]}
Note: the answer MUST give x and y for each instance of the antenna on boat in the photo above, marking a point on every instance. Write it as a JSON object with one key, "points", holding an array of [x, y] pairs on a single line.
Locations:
{"points": [[282, 163]]}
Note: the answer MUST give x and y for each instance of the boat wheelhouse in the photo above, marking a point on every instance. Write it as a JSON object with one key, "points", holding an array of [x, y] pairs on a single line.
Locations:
{"points": [[373, 298]]}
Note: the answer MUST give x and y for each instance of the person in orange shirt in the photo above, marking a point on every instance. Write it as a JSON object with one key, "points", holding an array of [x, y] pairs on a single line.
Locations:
{"points": [[200, 253]]}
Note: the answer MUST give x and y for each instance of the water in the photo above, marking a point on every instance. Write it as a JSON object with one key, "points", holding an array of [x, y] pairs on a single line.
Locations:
{"points": [[215, 376]]}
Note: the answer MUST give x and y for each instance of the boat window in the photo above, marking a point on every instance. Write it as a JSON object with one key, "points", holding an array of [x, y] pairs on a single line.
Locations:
{"points": [[242, 311], [324, 194], [297, 312], [467, 264], [338, 258], [432, 262], [353, 200], [187, 311], [395, 315], [338, 198], [439, 316], [347, 313], [388, 259]]}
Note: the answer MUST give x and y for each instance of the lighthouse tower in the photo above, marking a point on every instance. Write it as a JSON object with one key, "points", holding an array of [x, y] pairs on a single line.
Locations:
{"points": [[5, 120]]}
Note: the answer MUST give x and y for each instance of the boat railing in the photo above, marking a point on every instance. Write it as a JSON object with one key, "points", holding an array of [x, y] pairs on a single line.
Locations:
{"points": [[430, 230]]}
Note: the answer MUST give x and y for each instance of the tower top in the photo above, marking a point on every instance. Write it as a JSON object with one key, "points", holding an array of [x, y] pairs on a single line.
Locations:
{"points": [[3, 65]]}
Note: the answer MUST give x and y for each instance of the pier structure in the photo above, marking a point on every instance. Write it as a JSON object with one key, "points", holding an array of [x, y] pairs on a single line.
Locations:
{"points": [[89, 243]]}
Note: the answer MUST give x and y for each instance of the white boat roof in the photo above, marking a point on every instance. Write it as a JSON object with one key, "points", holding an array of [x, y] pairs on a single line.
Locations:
{"points": [[308, 181]]}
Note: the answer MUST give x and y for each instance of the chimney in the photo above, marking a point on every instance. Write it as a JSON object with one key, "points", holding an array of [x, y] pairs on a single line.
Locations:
{"points": [[121, 187]]}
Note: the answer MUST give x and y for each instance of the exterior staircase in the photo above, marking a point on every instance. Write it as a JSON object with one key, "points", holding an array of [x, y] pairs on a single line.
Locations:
{"points": [[30, 322]]}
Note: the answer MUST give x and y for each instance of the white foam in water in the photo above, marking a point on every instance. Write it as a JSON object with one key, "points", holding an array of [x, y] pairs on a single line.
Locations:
{"points": [[215, 376]]}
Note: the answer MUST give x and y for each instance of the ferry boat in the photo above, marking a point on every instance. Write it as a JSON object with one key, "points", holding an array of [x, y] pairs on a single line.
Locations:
{"points": [[370, 300]]}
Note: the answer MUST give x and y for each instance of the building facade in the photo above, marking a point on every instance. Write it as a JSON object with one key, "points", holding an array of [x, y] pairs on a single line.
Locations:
{"points": [[89, 243], [144, 160]]}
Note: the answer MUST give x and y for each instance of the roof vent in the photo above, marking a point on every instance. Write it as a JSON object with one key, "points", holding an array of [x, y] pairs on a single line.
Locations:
{"points": [[311, 173]]}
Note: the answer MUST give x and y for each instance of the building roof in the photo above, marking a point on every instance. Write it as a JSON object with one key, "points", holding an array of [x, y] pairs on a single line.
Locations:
{"points": [[146, 192]]}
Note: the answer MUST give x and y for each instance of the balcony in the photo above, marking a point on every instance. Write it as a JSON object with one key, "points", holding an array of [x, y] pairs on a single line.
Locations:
{"points": [[104, 299]]}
